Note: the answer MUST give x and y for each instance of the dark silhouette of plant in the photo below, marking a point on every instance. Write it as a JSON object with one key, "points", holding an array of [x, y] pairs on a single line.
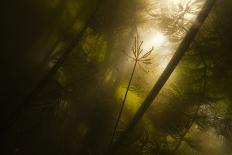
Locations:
{"points": [[43, 81], [176, 23], [137, 57], [194, 117], [183, 47]]}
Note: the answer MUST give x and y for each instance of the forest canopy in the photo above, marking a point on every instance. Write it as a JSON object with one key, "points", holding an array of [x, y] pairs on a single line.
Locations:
{"points": [[125, 77]]}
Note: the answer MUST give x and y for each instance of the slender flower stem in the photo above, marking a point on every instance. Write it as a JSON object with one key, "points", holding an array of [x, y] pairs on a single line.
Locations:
{"points": [[183, 47], [123, 103], [136, 50]]}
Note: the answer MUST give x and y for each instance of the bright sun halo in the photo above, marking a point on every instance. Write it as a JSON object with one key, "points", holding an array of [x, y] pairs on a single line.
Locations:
{"points": [[154, 39]]}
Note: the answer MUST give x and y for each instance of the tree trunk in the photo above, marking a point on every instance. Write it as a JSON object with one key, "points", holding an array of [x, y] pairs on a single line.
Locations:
{"points": [[183, 47], [43, 81]]}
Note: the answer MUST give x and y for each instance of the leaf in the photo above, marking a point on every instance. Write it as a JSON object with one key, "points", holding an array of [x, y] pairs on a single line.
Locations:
{"points": [[147, 63], [140, 51], [135, 47], [133, 50], [146, 59], [140, 44], [128, 55], [147, 54]]}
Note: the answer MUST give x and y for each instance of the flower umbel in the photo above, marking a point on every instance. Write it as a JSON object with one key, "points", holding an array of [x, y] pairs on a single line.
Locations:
{"points": [[137, 57], [137, 52]]}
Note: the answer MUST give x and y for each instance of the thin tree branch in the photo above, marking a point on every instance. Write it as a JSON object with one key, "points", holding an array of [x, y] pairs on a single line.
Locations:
{"points": [[198, 106], [45, 79]]}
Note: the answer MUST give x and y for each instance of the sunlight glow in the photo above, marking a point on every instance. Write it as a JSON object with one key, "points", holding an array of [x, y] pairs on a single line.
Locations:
{"points": [[178, 1], [165, 60], [154, 32], [157, 39], [162, 46], [154, 39]]}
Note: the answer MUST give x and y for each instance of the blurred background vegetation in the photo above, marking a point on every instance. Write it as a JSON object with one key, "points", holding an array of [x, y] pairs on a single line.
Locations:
{"points": [[65, 67]]}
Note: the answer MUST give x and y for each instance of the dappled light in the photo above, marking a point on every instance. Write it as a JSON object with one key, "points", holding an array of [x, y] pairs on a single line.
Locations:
{"points": [[125, 77]]}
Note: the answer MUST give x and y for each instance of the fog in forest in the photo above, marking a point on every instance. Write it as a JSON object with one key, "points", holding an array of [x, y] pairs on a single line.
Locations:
{"points": [[116, 77]]}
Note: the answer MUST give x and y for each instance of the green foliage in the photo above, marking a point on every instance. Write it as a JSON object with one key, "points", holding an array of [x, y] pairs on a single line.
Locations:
{"points": [[94, 46], [74, 111]]}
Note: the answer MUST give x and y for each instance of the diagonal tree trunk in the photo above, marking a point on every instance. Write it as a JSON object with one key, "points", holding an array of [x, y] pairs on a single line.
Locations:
{"points": [[183, 47], [72, 44], [43, 81]]}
